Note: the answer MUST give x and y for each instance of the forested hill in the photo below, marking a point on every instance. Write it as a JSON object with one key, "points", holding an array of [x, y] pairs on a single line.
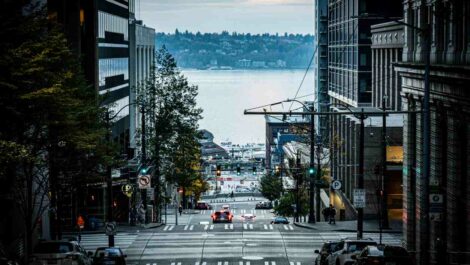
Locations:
{"points": [[245, 51]]}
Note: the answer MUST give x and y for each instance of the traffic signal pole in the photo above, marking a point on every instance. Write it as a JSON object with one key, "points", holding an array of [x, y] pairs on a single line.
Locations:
{"points": [[312, 177]]}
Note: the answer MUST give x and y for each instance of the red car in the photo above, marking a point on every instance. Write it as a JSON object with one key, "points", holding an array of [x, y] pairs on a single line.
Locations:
{"points": [[222, 217]]}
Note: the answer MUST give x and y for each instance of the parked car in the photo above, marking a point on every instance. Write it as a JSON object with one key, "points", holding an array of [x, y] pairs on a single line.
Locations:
{"points": [[222, 217], [203, 205], [383, 255], [109, 256], [60, 252], [264, 205], [347, 247], [324, 252], [280, 220]]}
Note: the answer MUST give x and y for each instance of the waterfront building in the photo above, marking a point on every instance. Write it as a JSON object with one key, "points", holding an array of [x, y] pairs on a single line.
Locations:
{"points": [[437, 227]]}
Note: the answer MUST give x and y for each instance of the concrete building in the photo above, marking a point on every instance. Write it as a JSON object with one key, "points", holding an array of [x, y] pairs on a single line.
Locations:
{"points": [[438, 230], [387, 47], [350, 85]]}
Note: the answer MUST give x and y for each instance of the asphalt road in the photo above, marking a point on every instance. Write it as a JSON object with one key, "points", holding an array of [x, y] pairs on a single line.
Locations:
{"points": [[199, 242]]}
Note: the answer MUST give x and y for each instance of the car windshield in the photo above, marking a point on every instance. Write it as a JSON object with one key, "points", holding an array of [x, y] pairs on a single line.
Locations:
{"points": [[53, 247], [108, 252], [358, 246]]}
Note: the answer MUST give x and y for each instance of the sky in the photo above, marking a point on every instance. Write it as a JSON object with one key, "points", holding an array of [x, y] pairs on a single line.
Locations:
{"points": [[243, 16]]}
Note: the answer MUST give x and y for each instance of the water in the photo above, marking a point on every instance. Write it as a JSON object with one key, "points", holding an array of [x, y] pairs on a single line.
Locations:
{"points": [[224, 95]]}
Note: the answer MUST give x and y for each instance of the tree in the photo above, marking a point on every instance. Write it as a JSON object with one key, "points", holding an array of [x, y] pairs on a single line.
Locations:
{"points": [[286, 206], [271, 187], [54, 126], [174, 128]]}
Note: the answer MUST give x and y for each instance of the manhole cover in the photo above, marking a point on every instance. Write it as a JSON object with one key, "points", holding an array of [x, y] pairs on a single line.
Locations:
{"points": [[252, 258]]}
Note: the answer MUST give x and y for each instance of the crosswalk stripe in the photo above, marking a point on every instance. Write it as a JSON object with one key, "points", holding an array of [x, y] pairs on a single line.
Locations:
{"points": [[291, 263], [273, 263], [251, 226], [225, 262], [271, 227], [291, 227], [234, 211], [206, 226], [266, 263], [219, 263], [204, 263], [166, 228], [285, 227], [265, 227], [240, 263], [231, 226], [212, 227], [226, 226], [197, 263], [186, 227], [248, 263], [171, 227], [191, 227], [245, 226]]}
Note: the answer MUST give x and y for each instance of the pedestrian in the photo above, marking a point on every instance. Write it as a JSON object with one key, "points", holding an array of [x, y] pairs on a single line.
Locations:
{"points": [[326, 213], [180, 209], [332, 212]]}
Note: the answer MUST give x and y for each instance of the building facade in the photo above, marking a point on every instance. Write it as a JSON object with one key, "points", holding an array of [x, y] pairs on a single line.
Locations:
{"points": [[436, 227], [321, 67], [350, 89]]}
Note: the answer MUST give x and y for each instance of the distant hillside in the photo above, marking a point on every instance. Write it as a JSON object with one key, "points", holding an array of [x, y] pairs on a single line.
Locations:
{"points": [[245, 51]]}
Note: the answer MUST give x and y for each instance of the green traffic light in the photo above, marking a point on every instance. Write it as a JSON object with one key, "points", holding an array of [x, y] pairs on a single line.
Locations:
{"points": [[311, 170], [143, 171]]}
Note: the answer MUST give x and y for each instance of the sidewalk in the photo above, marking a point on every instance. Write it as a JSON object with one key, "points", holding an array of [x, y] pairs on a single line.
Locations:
{"points": [[370, 226]]}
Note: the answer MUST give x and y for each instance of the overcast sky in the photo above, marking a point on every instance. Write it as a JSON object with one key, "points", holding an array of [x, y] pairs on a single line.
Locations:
{"points": [[247, 16]]}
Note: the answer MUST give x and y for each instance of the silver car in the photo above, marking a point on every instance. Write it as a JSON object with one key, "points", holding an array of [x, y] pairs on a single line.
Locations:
{"points": [[347, 247], [57, 252]]}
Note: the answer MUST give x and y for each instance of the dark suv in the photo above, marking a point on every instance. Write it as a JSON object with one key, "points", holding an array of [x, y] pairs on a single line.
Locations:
{"points": [[323, 253], [222, 217]]}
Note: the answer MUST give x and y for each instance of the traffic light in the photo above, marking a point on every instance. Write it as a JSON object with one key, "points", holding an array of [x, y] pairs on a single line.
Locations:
{"points": [[219, 170], [143, 170], [238, 171], [254, 170], [312, 171]]}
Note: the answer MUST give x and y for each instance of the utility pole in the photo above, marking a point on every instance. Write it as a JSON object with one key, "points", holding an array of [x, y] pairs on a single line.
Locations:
{"points": [[383, 194], [109, 182], [312, 177], [317, 188], [297, 188], [360, 177]]}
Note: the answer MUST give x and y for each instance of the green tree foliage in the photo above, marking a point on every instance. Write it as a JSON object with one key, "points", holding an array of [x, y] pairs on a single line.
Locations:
{"points": [[287, 200], [174, 125], [271, 187], [52, 117]]}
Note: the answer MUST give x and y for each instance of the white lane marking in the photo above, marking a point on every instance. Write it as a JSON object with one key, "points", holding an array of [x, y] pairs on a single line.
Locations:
{"points": [[234, 211], [298, 262], [171, 227], [212, 227], [291, 263], [219, 263], [191, 227], [204, 263], [231, 226], [266, 263], [285, 227], [173, 263], [271, 227], [251, 226], [248, 263], [245, 226], [225, 262], [226, 226], [197, 263], [179, 263], [186, 227], [203, 212], [273, 263], [206, 226], [166, 228], [265, 228], [291, 227], [240, 263]]}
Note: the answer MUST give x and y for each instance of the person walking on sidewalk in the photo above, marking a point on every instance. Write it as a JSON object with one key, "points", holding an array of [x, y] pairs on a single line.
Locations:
{"points": [[326, 213], [332, 212], [180, 209]]}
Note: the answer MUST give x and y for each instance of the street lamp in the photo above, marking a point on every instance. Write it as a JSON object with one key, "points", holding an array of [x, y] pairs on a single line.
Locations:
{"points": [[109, 179]]}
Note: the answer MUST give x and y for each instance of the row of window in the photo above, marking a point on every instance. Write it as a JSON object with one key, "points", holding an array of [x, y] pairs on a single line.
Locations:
{"points": [[112, 23], [112, 67]]}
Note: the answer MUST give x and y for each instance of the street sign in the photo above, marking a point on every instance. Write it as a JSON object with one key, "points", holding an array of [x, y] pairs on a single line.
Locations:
{"points": [[80, 222], [144, 181], [127, 190], [359, 198], [336, 185], [110, 228]]}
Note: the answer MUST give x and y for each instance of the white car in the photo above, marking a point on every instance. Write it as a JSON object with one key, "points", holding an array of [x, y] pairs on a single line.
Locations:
{"points": [[347, 247], [226, 207], [60, 252], [248, 217]]}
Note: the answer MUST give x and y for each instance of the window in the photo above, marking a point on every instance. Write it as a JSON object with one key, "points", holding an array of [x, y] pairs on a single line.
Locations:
{"points": [[363, 60]]}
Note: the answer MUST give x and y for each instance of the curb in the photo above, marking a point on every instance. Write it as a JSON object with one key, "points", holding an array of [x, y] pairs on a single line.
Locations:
{"points": [[349, 230]]}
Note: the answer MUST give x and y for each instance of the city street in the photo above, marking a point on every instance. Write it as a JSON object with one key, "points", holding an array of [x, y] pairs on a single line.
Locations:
{"points": [[197, 241]]}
